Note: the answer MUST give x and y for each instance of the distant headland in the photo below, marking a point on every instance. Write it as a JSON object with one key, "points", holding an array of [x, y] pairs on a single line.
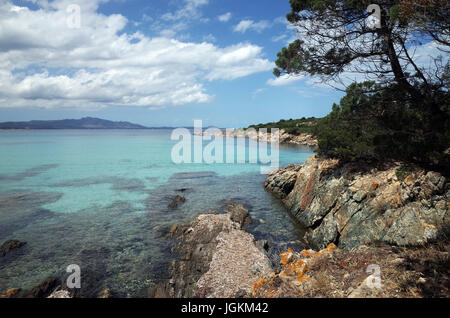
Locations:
{"points": [[83, 123]]}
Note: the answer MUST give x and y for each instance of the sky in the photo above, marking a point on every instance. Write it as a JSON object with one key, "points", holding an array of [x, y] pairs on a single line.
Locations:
{"points": [[151, 62]]}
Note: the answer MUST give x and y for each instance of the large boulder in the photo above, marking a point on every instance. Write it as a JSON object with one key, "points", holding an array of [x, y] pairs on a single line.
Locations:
{"points": [[218, 258], [351, 205]]}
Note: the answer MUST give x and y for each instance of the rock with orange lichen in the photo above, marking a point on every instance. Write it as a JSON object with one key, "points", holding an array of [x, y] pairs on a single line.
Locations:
{"points": [[286, 257], [352, 205], [294, 273], [335, 273]]}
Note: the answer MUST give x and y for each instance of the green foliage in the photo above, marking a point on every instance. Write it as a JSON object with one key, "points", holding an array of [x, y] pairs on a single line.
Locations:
{"points": [[405, 114], [374, 123], [394, 13], [346, 133], [291, 126]]}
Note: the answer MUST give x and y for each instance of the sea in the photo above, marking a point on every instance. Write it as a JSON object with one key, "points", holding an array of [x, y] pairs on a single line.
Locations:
{"points": [[99, 199]]}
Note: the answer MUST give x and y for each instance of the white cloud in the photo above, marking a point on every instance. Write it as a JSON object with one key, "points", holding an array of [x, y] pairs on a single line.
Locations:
{"points": [[246, 25], [209, 38], [225, 17], [284, 80], [99, 65], [188, 12], [259, 91], [279, 38]]}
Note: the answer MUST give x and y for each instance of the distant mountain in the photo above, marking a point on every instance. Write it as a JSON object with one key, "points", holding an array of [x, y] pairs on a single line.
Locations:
{"points": [[83, 123]]}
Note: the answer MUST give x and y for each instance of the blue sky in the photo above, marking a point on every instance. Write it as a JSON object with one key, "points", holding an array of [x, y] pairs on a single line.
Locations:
{"points": [[156, 63]]}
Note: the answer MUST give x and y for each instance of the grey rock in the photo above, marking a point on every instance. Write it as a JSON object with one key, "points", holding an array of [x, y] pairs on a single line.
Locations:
{"points": [[238, 213], [324, 235], [359, 196], [352, 206]]}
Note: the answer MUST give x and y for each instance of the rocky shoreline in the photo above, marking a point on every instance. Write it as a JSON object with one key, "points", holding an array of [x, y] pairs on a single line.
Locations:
{"points": [[284, 137], [356, 217], [350, 205]]}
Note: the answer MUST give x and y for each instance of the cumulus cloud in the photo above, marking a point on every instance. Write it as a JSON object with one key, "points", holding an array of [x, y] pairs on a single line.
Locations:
{"points": [[225, 17], [246, 25], [47, 64]]}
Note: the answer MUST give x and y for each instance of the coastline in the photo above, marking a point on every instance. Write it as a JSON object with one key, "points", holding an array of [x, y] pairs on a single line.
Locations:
{"points": [[341, 263], [284, 137]]}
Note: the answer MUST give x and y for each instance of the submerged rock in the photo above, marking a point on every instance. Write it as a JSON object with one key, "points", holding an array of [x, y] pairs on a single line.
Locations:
{"points": [[10, 293], [105, 293], [177, 200], [346, 205], [44, 289], [10, 245]]}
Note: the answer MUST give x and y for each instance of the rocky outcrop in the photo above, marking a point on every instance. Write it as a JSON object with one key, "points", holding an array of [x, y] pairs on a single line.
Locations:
{"points": [[345, 205], [44, 289], [10, 245], [60, 294], [217, 258], [284, 137]]}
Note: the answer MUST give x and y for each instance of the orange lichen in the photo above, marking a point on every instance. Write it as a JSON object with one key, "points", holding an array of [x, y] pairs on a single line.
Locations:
{"points": [[375, 185], [258, 284], [409, 179], [331, 247], [305, 253], [399, 200], [286, 257], [295, 268], [301, 278]]}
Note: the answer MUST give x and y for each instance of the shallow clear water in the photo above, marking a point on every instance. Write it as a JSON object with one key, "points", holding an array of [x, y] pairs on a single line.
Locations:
{"points": [[99, 199]]}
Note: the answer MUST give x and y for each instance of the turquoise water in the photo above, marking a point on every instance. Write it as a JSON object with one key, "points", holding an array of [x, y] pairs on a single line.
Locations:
{"points": [[99, 199]]}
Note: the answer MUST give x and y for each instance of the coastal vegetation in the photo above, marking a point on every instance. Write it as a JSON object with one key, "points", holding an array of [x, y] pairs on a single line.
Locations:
{"points": [[291, 126], [400, 110]]}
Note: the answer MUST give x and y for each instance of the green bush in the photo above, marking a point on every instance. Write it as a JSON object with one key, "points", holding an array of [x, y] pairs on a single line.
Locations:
{"points": [[374, 123], [291, 126]]}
